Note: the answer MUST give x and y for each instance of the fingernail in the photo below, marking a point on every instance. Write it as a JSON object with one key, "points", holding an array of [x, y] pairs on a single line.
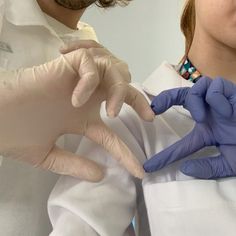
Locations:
{"points": [[80, 99], [140, 174]]}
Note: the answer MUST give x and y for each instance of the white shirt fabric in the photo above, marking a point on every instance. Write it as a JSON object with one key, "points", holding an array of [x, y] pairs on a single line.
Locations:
{"points": [[176, 204], [28, 37]]}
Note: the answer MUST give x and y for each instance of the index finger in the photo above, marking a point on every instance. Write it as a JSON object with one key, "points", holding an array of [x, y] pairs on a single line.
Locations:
{"points": [[101, 134], [179, 150]]}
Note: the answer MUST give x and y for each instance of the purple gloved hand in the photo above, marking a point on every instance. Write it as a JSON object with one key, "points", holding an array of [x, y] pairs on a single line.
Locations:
{"points": [[212, 104]]}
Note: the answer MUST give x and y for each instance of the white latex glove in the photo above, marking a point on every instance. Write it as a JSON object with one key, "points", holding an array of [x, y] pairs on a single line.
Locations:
{"points": [[36, 109], [117, 78]]}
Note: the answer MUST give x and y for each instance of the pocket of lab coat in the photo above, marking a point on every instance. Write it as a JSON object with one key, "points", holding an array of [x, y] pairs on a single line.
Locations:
{"points": [[192, 208]]}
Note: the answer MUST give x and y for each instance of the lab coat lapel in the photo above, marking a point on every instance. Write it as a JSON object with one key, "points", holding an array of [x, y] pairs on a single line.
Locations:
{"points": [[163, 78]]}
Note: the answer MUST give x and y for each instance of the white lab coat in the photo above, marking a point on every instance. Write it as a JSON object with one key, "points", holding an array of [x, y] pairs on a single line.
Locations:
{"points": [[29, 38], [177, 205]]}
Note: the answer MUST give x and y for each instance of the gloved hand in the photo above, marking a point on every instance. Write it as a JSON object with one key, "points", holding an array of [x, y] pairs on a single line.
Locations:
{"points": [[212, 104], [117, 77], [36, 109]]}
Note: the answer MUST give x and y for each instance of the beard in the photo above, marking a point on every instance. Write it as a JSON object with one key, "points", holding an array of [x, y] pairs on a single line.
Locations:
{"points": [[75, 4]]}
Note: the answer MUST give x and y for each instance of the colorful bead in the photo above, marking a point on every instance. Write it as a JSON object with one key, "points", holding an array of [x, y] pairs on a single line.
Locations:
{"points": [[189, 72]]}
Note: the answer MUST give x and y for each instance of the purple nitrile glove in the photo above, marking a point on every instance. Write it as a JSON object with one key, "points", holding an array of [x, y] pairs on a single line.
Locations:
{"points": [[212, 104]]}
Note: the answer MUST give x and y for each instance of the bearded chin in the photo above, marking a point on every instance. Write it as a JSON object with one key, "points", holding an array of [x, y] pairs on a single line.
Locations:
{"points": [[75, 4]]}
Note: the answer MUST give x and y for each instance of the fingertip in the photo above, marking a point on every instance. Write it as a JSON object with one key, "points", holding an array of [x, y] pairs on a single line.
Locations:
{"points": [[80, 98], [111, 114], [154, 108], [89, 171], [158, 108], [95, 174], [132, 164], [148, 115], [63, 49], [76, 102], [139, 173], [149, 168], [187, 168]]}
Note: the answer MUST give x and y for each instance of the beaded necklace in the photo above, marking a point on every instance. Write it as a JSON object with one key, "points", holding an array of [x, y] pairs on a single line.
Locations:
{"points": [[188, 71]]}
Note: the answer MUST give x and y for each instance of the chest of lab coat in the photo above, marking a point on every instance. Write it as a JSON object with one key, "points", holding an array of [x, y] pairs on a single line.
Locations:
{"points": [[176, 204], [24, 190], [30, 45], [179, 205]]}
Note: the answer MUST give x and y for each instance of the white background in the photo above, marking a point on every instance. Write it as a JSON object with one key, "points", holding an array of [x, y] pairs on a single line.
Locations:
{"points": [[144, 33]]}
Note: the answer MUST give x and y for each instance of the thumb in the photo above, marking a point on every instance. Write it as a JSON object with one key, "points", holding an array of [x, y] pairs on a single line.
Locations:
{"points": [[104, 136], [179, 150], [193, 99], [66, 163], [169, 98]]}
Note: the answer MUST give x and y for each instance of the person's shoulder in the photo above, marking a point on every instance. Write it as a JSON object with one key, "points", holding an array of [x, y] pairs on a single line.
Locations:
{"points": [[86, 31], [164, 77], [82, 25]]}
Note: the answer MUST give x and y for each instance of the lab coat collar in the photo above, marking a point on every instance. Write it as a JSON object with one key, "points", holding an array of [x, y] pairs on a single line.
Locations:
{"points": [[163, 78], [26, 13], [2, 9]]}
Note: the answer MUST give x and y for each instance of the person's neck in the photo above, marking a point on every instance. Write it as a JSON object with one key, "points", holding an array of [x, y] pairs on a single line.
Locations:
{"points": [[68, 17], [212, 58]]}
